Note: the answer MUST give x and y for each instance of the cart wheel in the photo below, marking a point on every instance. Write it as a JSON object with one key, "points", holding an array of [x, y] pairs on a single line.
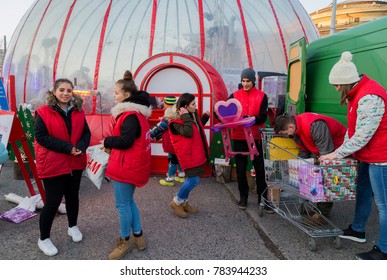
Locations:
{"points": [[337, 242], [312, 244], [260, 210]]}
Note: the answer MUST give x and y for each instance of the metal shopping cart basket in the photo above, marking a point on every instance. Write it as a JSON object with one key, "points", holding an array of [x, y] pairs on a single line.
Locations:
{"points": [[295, 184]]}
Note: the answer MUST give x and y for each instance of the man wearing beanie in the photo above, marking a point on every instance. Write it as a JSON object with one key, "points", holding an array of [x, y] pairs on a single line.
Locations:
{"points": [[254, 104], [366, 141]]}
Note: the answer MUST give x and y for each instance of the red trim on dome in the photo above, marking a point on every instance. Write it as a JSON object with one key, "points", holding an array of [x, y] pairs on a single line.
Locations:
{"points": [[245, 34], [202, 35], [30, 51], [61, 40], [153, 27], [299, 20], [280, 32], [100, 45]]}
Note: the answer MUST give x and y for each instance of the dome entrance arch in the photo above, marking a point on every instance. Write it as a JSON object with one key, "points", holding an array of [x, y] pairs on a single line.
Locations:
{"points": [[174, 74]]}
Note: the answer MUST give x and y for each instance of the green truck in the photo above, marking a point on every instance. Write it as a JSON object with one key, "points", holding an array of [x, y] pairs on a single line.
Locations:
{"points": [[308, 89]]}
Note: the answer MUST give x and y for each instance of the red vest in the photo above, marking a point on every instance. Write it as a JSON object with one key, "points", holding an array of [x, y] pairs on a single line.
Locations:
{"points": [[49, 163], [375, 150], [131, 165], [251, 104], [167, 143], [189, 151], [305, 120]]}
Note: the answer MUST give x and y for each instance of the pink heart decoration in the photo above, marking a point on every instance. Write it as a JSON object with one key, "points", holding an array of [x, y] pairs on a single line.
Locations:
{"points": [[228, 111]]}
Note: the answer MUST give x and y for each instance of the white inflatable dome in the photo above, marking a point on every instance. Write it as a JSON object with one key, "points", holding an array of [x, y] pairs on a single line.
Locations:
{"points": [[93, 42]]}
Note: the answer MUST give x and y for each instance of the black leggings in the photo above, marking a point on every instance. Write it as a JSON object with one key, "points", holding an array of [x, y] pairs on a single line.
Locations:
{"points": [[241, 166], [55, 188]]}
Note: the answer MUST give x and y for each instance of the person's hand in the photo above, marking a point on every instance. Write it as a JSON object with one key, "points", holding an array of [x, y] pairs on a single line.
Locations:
{"points": [[75, 152], [102, 147], [182, 111], [207, 113], [328, 156]]}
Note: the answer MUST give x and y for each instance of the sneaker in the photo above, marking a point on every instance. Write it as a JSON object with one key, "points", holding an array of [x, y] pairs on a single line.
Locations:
{"points": [[181, 174], [75, 233], [353, 235], [47, 247], [374, 254], [268, 209], [242, 203], [168, 181], [180, 179], [123, 246]]}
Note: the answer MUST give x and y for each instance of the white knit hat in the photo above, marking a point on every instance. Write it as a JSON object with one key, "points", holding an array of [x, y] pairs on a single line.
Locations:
{"points": [[344, 72]]}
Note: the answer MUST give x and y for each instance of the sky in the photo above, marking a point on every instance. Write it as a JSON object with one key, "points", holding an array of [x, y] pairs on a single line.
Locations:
{"points": [[13, 10], [314, 5]]}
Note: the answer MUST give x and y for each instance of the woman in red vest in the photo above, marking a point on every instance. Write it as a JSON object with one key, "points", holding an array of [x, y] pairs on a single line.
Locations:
{"points": [[61, 139], [190, 144], [366, 140], [254, 104], [315, 135], [130, 155]]}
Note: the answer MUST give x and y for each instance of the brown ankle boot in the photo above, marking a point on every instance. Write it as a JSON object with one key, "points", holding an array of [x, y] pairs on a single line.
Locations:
{"points": [[122, 248], [139, 242], [178, 209], [189, 209]]}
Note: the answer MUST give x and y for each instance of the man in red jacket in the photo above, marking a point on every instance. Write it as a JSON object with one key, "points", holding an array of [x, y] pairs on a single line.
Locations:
{"points": [[254, 104], [315, 135]]}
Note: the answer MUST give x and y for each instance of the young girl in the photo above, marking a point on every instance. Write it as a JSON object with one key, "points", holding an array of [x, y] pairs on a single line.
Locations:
{"points": [[61, 139], [160, 131], [130, 155], [190, 144]]}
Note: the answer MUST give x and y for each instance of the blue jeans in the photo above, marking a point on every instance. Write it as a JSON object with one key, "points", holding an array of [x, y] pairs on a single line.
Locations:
{"points": [[127, 208], [372, 179], [173, 165], [189, 184]]}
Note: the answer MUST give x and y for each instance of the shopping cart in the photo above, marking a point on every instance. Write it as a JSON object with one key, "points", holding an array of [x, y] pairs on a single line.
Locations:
{"points": [[295, 184]]}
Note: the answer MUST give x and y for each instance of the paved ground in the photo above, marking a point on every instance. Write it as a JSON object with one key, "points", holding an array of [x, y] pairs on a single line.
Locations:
{"points": [[219, 231]]}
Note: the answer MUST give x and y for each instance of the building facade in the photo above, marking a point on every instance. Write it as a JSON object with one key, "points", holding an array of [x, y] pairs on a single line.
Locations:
{"points": [[348, 14]]}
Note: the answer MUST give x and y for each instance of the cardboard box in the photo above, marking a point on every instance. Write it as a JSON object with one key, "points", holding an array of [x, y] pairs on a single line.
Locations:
{"points": [[274, 195]]}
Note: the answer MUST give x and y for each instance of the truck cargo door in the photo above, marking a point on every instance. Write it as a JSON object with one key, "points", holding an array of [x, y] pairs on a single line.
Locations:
{"points": [[295, 93]]}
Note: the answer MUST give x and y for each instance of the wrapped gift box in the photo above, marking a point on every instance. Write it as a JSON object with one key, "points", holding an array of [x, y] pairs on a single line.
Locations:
{"points": [[332, 180], [294, 165], [310, 180], [340, 179]]}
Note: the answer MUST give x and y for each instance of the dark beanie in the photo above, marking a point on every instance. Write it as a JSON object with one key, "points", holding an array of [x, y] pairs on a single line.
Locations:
{"points": [[248, 73], [140, 97]]}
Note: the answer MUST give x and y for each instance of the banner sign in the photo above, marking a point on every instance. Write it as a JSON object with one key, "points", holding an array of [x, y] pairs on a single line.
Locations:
{"points": [[3, 97], [6, 120]]}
